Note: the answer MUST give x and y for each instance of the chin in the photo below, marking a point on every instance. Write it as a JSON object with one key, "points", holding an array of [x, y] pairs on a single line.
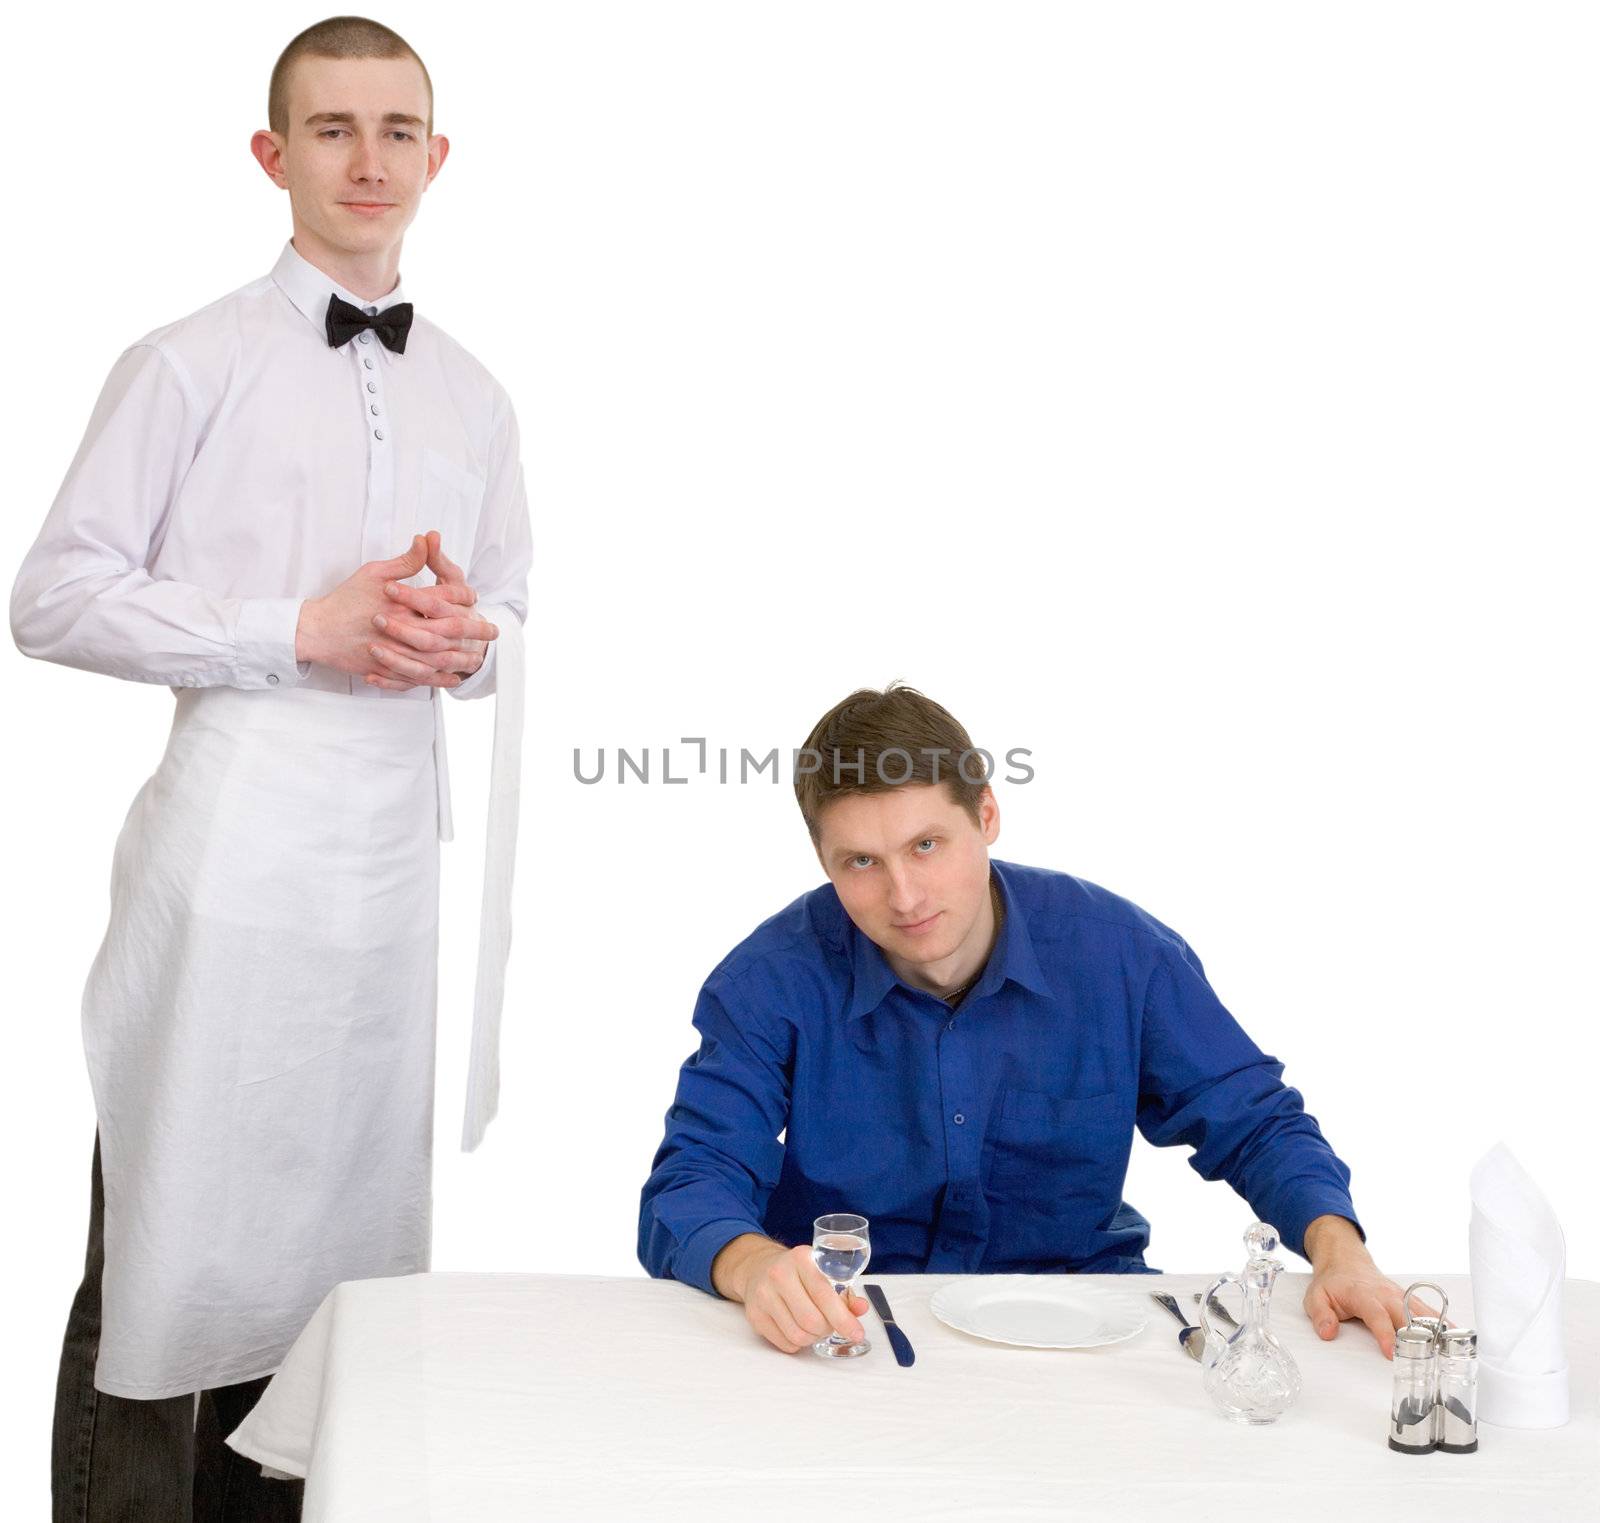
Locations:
{"points": [[920, 950]]}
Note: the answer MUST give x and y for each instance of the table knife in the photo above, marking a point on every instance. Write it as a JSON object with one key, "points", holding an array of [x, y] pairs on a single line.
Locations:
{"points": [[897, 1339]]}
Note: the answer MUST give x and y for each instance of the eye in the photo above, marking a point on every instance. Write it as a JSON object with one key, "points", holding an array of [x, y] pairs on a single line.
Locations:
{"points": [[400, 132], [857, 862], [928, 842]]}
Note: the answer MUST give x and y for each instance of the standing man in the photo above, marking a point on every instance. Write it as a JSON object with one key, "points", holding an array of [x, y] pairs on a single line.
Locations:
{"points": [[259, 1021]]}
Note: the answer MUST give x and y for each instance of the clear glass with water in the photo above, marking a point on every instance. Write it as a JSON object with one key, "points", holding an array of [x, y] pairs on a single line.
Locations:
{"points": [[841, 1248]]}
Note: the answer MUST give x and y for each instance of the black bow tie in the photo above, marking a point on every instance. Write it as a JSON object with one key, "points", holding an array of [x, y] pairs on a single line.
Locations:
{"points": [[391, 325]]}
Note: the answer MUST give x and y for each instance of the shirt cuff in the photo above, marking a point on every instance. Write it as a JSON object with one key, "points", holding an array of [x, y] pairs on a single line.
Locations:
{"points": [[692, 1262], [264, 643], [1305, 1209]]}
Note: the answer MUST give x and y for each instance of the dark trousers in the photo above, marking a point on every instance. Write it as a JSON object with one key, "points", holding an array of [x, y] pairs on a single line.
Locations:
{"points": [[113, 1460]]}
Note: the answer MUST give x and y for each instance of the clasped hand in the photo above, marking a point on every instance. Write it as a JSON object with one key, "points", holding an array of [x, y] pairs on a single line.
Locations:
{"points": [[390, 635]]}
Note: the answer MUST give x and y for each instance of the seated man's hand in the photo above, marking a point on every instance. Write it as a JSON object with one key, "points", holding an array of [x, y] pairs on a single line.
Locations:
{"points": [[1346, 1284], [787, 1299]]}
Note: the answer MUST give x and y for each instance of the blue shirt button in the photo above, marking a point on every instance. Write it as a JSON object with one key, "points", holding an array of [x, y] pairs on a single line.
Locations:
{"points": [[959, 1119]]}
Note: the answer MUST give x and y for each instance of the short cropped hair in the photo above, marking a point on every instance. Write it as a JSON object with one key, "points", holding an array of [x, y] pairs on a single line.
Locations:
{"points": [[337, 37], [873, 742]]}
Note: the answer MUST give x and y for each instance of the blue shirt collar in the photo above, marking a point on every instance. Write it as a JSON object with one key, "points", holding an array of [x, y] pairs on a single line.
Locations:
{"points": [[1012, 957], [309, 288]]}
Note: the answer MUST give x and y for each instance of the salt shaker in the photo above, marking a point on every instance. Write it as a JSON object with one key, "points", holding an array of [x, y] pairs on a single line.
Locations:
{"points": [[1413, 1410], [1416, 1384], [1457, 1428]]}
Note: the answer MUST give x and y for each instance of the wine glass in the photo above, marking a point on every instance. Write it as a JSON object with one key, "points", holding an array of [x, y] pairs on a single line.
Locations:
{"points": [[840, 1248]]}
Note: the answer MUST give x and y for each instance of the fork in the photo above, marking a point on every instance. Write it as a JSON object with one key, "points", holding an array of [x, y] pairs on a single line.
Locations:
{"points": [[1192, 1340], [1218, 1310]]}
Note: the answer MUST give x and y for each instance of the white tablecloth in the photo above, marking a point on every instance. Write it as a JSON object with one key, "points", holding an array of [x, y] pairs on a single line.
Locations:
{"points": [[484, 1397]]}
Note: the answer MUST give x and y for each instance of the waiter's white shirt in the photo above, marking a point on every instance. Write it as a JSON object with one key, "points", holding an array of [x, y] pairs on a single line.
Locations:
{"points": [[234, 466], [259, 1020]]}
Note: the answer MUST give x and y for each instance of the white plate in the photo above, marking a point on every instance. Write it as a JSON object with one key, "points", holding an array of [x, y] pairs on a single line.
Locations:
{"points": [[1037, 1311]]}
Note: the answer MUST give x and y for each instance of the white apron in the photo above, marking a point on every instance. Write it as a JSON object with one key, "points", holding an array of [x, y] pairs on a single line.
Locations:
{"points": [[259, 1021]]}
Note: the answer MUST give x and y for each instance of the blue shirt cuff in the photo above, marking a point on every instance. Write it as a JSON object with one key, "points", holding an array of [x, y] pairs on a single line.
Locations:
{"points": [[692, 1262], [1305, 1209]]}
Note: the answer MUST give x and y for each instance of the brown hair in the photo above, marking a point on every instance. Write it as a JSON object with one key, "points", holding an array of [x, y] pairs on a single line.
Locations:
{"points": [[337, 37], [873, 742]]}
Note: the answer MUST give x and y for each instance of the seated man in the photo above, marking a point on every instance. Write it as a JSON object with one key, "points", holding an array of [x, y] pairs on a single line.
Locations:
{"points": [[959, 1049]]}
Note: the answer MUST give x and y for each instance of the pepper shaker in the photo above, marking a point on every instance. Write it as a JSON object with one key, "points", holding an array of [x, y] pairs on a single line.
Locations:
{"points": [[1457, 1429]]}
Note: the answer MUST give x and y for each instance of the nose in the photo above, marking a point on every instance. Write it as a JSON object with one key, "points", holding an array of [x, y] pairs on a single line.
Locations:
{"points": [[367, 162], [904, 894]]}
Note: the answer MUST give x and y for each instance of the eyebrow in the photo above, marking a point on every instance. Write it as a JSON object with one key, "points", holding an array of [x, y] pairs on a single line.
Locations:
{"points": [[922, 835], [394, 118]]}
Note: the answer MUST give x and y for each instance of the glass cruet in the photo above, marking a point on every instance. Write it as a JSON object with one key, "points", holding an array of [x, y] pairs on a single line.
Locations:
{"points": [[1252, 1378]]}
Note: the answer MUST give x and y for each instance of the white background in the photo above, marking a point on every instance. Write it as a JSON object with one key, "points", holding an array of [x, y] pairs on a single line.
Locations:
{"points": [[1202, 397]]}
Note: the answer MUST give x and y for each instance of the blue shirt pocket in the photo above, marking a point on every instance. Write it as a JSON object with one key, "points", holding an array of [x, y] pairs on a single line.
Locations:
{"points": [[1054, 1167]]}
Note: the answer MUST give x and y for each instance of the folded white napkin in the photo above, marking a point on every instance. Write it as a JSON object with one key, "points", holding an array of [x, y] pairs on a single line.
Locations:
{"points": [[1518, 1258]]}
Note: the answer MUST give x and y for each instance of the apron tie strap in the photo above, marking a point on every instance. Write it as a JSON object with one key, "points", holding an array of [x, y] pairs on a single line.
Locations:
{"points": [[499, 864]]}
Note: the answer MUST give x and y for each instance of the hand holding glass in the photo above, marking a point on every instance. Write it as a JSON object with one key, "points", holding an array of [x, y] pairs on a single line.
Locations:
{"points": [[840, 1248]]}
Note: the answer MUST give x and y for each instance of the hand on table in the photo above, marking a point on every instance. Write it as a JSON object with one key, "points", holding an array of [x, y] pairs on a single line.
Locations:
{"points": [[787, 1299], [1346, 1285]]}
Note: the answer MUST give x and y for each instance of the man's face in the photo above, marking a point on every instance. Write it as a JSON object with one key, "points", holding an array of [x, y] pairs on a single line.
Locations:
{"points": [[357, 157], [910, 867]]}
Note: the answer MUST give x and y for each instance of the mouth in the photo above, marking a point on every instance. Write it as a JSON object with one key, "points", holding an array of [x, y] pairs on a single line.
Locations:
{"points": [[919, 927], [369, 208]]}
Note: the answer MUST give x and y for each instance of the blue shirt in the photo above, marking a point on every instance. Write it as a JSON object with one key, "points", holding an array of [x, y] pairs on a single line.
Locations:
{"points": [[991, 1138]]}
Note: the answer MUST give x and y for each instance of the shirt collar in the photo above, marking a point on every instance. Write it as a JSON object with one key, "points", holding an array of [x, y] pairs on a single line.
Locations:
{"points": [[309, 288], [1012, 957]]}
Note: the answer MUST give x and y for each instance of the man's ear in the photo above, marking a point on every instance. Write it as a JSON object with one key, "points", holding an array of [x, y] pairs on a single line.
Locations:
{"points": [[438, 150], [989, 814], [269, 154]]}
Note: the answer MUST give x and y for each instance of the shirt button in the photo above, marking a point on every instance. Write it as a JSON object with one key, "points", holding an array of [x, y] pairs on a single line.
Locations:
{"points": [[367, 363], [377, 433], [272, 679], [363, 336], [372, 385], [374, 409], [960, 1120]]}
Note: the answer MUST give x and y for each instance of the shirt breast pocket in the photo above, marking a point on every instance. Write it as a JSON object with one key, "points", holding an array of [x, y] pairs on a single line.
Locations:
{"points": [[450, 498], [1056, 1165]]}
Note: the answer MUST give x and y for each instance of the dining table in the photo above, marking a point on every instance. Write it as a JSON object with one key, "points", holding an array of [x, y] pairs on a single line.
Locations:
{"points": [[482, 1397]]}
